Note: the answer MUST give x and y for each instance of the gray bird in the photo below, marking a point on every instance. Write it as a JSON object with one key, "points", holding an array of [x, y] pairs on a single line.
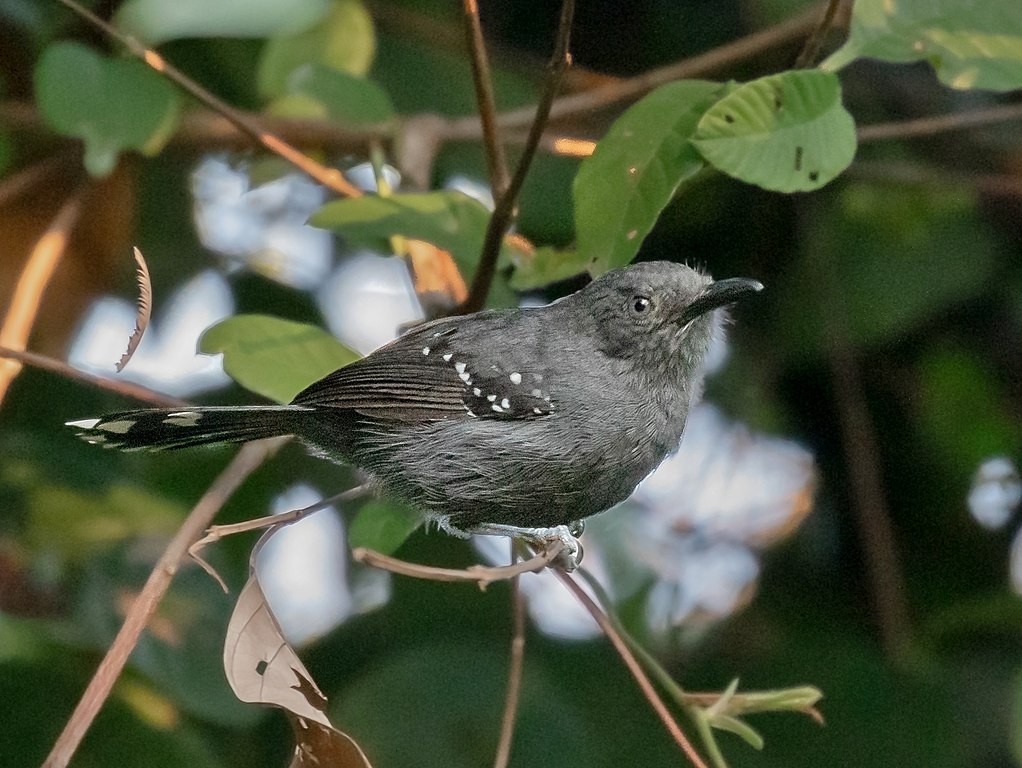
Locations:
{"points": [[504, 421]]}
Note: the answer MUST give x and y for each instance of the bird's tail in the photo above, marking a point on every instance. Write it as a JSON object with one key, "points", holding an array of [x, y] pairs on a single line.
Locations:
{"points": [[184, 427]]}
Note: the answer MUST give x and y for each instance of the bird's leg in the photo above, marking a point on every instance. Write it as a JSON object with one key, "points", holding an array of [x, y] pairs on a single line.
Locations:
{"points": [[570, 556]]}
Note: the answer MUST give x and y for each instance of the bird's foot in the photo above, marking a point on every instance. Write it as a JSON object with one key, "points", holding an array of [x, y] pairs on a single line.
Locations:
{"points": [[542, 538]]}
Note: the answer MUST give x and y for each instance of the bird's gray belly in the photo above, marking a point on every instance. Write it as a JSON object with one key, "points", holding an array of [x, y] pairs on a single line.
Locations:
{"points": [[508, 472]]}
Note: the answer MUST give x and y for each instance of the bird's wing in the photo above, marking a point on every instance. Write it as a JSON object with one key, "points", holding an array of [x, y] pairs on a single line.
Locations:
{"points": [[429, 374]]}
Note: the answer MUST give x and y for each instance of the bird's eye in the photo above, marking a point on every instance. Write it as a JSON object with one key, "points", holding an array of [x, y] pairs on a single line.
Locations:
{"points": [[641, 305]]}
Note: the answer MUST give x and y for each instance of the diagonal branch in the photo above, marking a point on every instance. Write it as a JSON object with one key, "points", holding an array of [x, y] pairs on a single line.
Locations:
{"points": [[246, 461], [634, 667], [811, 49], [331, 178], [28, 293], [496, 162], [504, 211]]}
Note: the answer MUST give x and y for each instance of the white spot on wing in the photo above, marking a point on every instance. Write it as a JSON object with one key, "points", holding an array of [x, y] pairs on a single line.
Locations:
{"points": [[460, 367], [425, 350], [516, 378], [505, 403], [491, 398], [448, 356], [183, 419], [82, 423], [117, 427]]}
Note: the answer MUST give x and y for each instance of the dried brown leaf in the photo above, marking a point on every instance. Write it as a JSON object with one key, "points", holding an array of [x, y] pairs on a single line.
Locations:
{"points": [[145, 309]]}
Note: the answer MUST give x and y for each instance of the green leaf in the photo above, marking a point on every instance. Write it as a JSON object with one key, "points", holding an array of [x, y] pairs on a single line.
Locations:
{"points": [[111, 104], [452, 221], [545, 266], [740, 728], [786, 132], [977, 44], [383, 526], [635, 171], [346, 97], [157, 21], [273, 357], [343, 40], [77, 524]]}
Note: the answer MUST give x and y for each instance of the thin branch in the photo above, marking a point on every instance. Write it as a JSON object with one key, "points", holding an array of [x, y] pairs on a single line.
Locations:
{"points": [[928, 126], [516, 659], [480, 574], [331, 178], [634, 668], [811, 49], [505, 209], [217, 532], [246, 461], [124, 388], [894, 172], [35, 277], [862, 454], [24, 181], [496, 162]]}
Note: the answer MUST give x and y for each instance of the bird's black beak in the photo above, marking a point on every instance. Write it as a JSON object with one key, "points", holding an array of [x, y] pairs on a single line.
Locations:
{"points": [[718, 294]]}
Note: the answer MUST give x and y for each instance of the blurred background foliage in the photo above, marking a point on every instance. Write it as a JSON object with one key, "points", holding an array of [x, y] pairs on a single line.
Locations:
{"points": [[880, 372]]}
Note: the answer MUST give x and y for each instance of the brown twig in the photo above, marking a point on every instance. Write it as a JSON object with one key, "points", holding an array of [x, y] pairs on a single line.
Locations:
{"points": [[928, 126], [634, 667], [125, 388], [784, 33], [894, 172], [516, 663], [330, 178], [862, 454], [496, 163], [480, 574], [505, 208], [811, 49], [28, 293], [23, 181], [142, 609], [217, 532]]}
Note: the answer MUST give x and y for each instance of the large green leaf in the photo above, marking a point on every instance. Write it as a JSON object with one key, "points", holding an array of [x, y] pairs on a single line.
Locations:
{"points": [[635, 171], [976, 44], [156, 21], [452, 221], [344, 40], [111, 104], [786, 132], [273, 357], [351, 99], [545, 266]]}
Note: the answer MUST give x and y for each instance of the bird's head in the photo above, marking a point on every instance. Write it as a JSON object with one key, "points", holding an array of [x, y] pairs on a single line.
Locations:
{"points": [[659, 315]]}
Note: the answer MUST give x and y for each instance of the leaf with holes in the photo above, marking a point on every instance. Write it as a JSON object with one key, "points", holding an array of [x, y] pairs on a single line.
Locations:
{"points": [[273, 357], [635, 171], [787, 132], [111, 104], [971, 45]]}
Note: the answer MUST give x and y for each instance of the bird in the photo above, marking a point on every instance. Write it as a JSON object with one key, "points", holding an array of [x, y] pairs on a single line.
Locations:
{"points": [[516, 422]]}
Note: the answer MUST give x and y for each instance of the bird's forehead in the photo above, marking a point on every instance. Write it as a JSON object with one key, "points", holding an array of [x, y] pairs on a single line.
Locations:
{"points": [[661, 278]]}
